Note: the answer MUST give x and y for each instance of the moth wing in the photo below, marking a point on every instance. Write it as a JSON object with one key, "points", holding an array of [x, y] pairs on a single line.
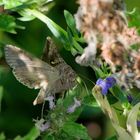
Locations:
{"points": [[28, 69]]}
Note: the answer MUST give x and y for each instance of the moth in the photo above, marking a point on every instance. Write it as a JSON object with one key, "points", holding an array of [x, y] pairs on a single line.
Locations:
{"points": [[52, 76]]}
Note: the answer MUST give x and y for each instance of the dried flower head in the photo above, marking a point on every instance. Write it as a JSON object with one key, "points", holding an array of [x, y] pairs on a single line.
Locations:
{"points": [[114, 53], [105, 29]]}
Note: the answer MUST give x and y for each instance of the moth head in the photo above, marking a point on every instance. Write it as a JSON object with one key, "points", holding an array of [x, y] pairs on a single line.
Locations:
{"points": [[51, 53]]}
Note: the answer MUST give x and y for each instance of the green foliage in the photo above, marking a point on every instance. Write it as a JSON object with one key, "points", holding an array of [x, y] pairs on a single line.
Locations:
{"points": [[75, 130], [134, 17], [48, 137], [32, 135], [71, 22], [62, 123], [60, 119], [19, 4], [26, 16], [11, 3], [2, 136], [7, 23], [119, 94]]}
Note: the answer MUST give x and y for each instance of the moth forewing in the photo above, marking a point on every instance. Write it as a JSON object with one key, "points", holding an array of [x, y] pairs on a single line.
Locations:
{"points": [[29, 70], [52, 77]]}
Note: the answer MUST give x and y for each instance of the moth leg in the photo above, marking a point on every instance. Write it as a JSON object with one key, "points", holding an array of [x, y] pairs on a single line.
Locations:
{"points": [[46, 49], [42, 110], [40, 97]]}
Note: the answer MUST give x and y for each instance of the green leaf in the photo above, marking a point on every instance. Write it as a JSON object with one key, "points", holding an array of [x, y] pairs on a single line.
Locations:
{"points": [[56, 30], [48, 137], [119, 94], [69, 44], [90, 101], [134, 18], [76, 130], [70, 38], [68, 101], [73, 51], [11, 4], [33, 134], [7, 23], [71, 22], [26, 16], [112, 99], [16, 5], [2, 136], [98, 72]]}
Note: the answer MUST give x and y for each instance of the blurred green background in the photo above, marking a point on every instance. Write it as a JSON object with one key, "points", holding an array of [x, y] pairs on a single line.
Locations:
{"points": [[16, 109]]}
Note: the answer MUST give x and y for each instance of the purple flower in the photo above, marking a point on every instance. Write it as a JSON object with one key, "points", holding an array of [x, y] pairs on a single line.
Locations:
{"points": [[138, 123], [50, 99], [44, 127], [130, 99], [73, 107], [106, 84]]}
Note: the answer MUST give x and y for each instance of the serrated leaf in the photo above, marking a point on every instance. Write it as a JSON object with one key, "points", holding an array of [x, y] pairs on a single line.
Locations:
{"points": [[76, 130]]}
